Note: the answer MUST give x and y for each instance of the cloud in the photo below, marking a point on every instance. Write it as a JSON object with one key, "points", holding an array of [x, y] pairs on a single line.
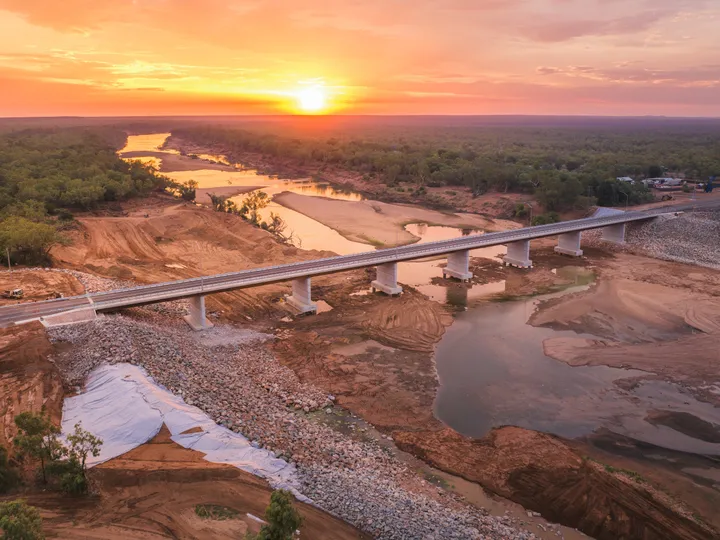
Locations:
{"points": [[703, 75], [557, 31]]}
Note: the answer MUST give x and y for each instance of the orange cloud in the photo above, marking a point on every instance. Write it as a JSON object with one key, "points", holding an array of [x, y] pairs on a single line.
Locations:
{"points": [[372, 56]]}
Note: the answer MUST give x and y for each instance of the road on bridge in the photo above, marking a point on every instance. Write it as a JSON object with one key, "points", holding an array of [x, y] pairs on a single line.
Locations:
{"points": [[174, 290]]}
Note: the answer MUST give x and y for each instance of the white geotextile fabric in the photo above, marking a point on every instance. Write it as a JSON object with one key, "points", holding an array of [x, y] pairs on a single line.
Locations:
{"points": [[125, 407]]}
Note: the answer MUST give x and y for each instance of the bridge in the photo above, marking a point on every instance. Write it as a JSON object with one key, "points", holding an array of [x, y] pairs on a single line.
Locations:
{"points": [[386, 260]]}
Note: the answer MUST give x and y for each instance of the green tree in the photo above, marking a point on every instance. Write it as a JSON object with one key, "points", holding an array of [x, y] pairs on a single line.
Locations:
{"points": [[73, 479], [281, 516], [187, 190], [655, 171], [252, 204], [37, 439], [18, 521], [27, 240]]}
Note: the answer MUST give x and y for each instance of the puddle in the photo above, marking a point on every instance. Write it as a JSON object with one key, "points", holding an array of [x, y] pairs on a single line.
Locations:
{"points": [[491, 365], [360, 348]]}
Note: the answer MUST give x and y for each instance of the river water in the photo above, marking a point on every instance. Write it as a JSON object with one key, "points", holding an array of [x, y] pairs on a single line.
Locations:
{"points": [[490, 362]]}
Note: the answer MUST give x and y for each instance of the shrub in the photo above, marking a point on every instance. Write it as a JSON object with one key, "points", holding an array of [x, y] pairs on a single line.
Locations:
{"points": [[214, 511], [82, 444], [521, 211], [545, 219], [281, 517], [18, 521]]}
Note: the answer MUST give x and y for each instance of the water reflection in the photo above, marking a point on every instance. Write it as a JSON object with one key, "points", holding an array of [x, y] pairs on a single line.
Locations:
{"points": [[307, 233], [147, 143], [491, 364]]}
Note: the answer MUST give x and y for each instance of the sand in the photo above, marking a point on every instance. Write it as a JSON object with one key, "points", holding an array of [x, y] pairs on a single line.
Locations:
{"points": [[663, 319], [623, 309], [379, 223]]}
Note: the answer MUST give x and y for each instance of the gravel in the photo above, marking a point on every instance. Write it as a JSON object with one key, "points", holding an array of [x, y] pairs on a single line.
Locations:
{"points": [[692, 238], [231, 375]]}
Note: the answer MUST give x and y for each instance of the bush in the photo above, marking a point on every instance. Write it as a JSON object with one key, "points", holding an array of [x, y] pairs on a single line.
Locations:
{"points": [[281, 517], [18, 521], [545, 219], [82, 444], [521, 211]]}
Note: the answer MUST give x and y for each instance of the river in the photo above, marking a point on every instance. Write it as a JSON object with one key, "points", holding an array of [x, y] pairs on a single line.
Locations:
{"points": [[490, 362]]}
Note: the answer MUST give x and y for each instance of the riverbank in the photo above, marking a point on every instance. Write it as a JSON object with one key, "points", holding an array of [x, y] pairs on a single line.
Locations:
{"points": [[379, 223], [455, 199], [389, 379]]}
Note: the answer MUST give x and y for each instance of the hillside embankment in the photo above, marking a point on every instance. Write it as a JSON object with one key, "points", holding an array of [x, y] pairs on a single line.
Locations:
{"points": [[158, 239]]}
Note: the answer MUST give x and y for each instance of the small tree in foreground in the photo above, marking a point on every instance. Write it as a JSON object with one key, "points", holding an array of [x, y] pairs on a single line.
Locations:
{"points": [[82, 444], [37, 439], [18, 521], [281, 516]]}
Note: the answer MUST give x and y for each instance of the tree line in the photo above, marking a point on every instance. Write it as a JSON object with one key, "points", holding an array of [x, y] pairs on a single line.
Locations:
{"points": [[45, 175], [564, 167]]}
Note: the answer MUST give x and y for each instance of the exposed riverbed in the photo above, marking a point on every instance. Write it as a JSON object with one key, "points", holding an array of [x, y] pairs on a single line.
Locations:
{"points": [[490, 362]]}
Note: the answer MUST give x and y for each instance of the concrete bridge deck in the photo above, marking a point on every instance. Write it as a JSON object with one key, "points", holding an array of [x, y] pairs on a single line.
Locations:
{"points": [[199, 287]]}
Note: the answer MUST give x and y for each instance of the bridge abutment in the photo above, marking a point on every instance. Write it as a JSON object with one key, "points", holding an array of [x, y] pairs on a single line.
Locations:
{"points": [[301, 298], [386, 280], [569, 244], [458, 265], [196, 317], [614, 233], [518, 254]]}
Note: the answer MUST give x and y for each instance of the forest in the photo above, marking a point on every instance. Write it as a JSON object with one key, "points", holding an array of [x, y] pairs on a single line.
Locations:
{"points": [[47, 174], [565, 166]]}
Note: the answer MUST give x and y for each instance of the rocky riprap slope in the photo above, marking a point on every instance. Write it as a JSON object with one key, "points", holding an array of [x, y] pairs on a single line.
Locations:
{"points": [[692, 237], [231, 376]]}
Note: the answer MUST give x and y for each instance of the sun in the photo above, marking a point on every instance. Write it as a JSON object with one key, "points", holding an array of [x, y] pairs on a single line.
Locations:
{"points": [[312, 100]]}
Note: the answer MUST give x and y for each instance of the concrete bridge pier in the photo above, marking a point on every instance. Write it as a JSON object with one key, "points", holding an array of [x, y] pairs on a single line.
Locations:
{"points": [[196, 317], [518, 254], [614, 233], [387, 279], [569, 244], [301, 296], [458, 265]]}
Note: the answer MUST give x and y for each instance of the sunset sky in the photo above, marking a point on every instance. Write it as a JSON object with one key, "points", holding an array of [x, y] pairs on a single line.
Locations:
{"points": [[162, 57]]}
